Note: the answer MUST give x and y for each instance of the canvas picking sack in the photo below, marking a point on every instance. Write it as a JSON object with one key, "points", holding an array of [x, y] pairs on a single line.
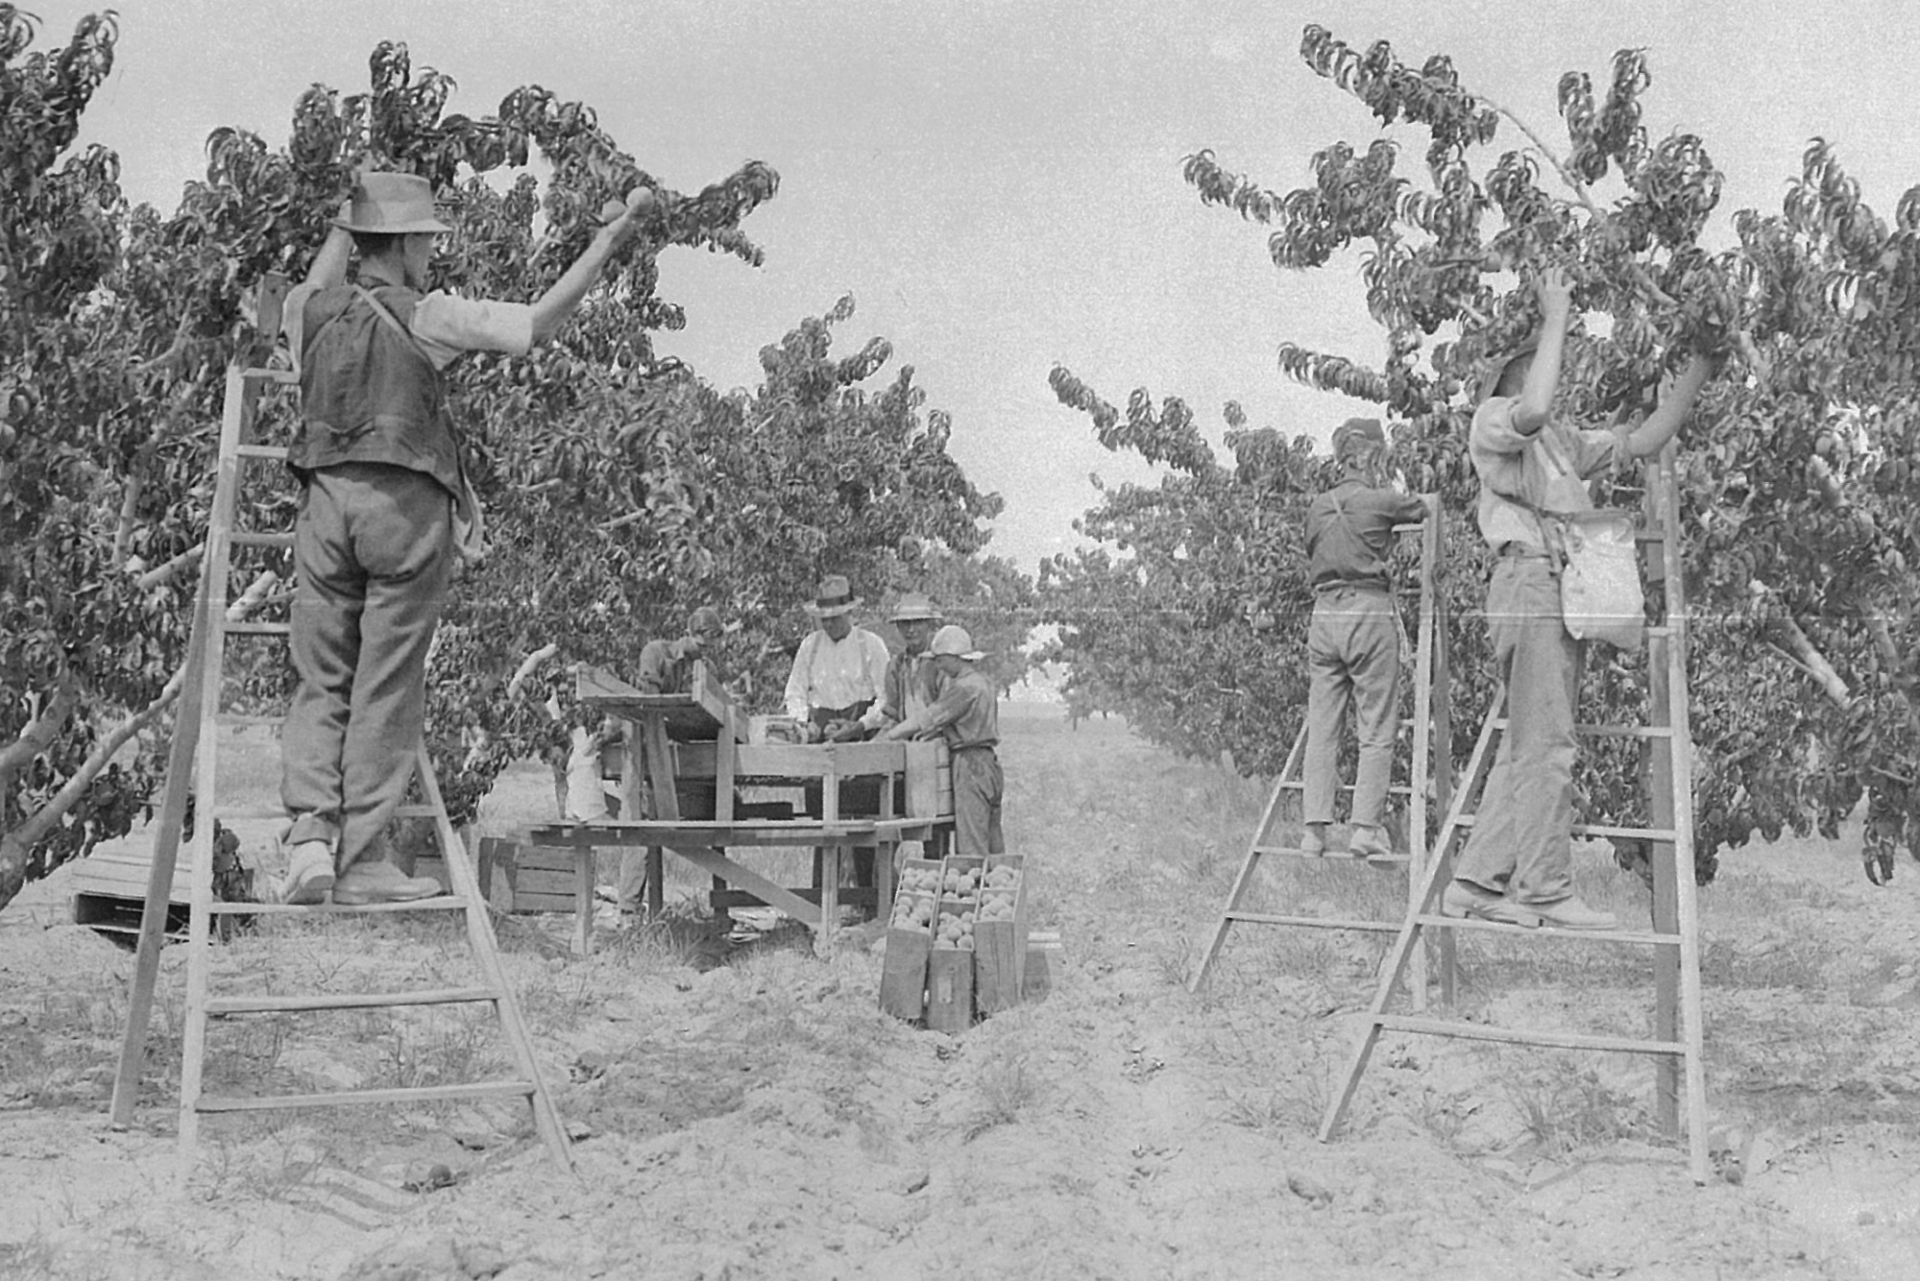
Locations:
{"points": [[1600, 595], [1599, 567]]}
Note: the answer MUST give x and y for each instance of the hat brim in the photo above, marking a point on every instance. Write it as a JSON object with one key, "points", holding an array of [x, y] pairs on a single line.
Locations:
{"points": [[914, 616], [832, 610], [397, 229]]}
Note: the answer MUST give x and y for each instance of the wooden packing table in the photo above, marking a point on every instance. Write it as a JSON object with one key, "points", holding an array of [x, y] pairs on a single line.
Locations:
{"points": [[700, 736]]}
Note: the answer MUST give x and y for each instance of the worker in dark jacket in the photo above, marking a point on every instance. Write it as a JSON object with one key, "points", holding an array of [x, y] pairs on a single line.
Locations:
{"points": [[1353, 639]]}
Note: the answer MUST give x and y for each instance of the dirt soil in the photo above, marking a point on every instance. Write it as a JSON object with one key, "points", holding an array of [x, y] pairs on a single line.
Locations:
{"points": [[743, 1110]]}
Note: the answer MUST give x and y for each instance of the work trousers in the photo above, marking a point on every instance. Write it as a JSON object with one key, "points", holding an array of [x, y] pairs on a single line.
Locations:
{"points": [[1353, 659], [977, 789], [1522, 840], [373, 551]]}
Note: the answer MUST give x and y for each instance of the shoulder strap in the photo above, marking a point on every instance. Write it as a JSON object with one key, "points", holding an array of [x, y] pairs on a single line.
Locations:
{"points": [[393, 321]]}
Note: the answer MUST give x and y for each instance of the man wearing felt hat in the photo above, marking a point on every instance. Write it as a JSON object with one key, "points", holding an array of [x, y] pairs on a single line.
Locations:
{"points": [[1535, 465], [909, 683], [1354, 637], [378, 457], [840, 670], [967, 715]]}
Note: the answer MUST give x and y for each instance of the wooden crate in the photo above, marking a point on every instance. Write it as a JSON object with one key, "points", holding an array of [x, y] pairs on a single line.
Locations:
{"points": [[538, 878], [110, 887], [949, 989], [929, 779], [1000, 946], [903, 969]]}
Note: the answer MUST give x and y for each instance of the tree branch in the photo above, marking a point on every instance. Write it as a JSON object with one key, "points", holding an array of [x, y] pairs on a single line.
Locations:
{"points": [[38, 823], [38, 736], [170, 569]]}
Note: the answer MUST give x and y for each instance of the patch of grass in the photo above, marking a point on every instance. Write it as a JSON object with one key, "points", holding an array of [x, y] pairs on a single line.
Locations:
{"points": [[1006, 1086], [1567, 1110]]}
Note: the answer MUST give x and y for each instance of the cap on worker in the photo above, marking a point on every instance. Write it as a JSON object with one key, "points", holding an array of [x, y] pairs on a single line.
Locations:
{"points": [[393, 204], [833, 596], [914, 607], [953, 639], [705, 621], [1497, 366], [1357, 433]]}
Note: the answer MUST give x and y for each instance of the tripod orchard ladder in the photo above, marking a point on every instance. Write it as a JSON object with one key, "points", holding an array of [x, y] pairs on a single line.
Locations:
{"points": [[1430, 777], [1676, 1039], [192, 776]]}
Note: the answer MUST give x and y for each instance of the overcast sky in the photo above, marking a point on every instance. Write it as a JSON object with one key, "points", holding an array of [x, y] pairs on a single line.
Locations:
{"points": [[998, 183]]}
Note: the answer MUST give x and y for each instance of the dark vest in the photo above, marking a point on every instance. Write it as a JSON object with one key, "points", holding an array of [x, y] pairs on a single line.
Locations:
{"points": [[369, 394]]}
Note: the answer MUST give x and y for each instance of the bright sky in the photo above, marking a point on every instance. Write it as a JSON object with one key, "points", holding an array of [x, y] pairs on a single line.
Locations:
{"points": [[998, 182]]}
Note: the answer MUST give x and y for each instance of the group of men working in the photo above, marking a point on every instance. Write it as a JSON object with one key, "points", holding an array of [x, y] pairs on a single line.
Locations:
{"points": [[1534, 466], [382, 495], [374, 549]]}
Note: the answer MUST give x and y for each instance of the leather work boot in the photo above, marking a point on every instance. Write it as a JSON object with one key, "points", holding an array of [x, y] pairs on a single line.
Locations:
{"points": [[309, 874], [1464, 898], [380, 882], [1314, 839], [1369, 843], [1571, 914]]}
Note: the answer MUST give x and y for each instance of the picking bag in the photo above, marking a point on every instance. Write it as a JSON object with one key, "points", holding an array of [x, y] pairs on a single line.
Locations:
{"points": [[1600, 594]]}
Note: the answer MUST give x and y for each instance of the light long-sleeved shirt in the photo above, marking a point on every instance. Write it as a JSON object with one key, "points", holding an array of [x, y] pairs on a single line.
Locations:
{"points": [[1547, 471], [664, 668], [836, 674]]}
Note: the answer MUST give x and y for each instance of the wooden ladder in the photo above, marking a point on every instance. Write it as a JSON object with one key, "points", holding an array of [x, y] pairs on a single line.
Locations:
{"points": [[1676, 1039], [192, 774], [1430, 778]]}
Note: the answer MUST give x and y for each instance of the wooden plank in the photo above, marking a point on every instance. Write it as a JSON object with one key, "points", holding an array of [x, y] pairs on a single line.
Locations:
{"points": [[903, 973], [540, 880], [345, 1098], [527, 904], [716, 863], [1520, 1036], [271, 1004], [997, 962], [924, 776], [681, 716], [817, 760], [949, 989]]}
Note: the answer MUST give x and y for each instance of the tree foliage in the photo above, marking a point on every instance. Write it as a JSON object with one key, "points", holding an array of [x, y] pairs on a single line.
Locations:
{"points": [[1795, 468], [621, 488]]}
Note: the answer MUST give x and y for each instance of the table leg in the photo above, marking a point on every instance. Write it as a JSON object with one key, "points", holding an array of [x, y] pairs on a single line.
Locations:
{"points": [[656, 892], [583, 873], [830, 857], [883, 873]]}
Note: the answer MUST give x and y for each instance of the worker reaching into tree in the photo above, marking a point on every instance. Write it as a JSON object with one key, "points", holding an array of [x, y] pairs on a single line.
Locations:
{"points": [[966, 714], [379, 464], [1354, 637], [1517, 866]]}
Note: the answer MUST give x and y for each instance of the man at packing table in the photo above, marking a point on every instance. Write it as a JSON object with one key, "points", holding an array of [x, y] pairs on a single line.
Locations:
{"points": [[966, 714]]}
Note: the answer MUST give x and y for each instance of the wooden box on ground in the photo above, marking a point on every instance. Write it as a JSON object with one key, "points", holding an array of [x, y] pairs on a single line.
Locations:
{"points": [[1000, 935], [538, 878], [110, 888], [950, 964], [903, 968]]}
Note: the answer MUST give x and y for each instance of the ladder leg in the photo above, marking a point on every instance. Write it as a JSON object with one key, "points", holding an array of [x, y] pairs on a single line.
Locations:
{"points": [[1288, 771], [486, 951], [166, 849]]}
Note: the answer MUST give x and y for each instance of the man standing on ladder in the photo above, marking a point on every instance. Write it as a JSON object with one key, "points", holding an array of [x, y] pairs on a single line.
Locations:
{"points": [[1517, 866], [379, 460], [1354, 638]]}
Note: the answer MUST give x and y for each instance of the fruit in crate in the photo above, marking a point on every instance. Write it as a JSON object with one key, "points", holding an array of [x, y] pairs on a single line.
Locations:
{"points": [[1003, 877]]}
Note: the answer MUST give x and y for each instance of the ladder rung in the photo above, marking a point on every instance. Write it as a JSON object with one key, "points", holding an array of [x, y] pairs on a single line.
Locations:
{"points": [[228, 813], [343, 1098], [273, 453], [347, 1000], [1664, 834], [251, 538], [416, 811], [1514, 1036], [1645, 937], [438, 903], [1297, 785], [1626, 731], [238, 719], [263, 372], [1316, 922], [256, 629]]}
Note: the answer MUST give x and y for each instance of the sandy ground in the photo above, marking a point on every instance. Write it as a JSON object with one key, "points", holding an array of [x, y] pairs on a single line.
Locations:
{"points": [[744, 1111]]}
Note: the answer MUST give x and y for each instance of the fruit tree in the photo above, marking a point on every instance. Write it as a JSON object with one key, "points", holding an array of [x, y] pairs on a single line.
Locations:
{"points": [[1794, 470]]}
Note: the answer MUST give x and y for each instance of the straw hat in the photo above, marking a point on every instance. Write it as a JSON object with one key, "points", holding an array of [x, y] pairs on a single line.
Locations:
{"points": [[393, 204], [834, 596], [1356, 433], [914, 607]]}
